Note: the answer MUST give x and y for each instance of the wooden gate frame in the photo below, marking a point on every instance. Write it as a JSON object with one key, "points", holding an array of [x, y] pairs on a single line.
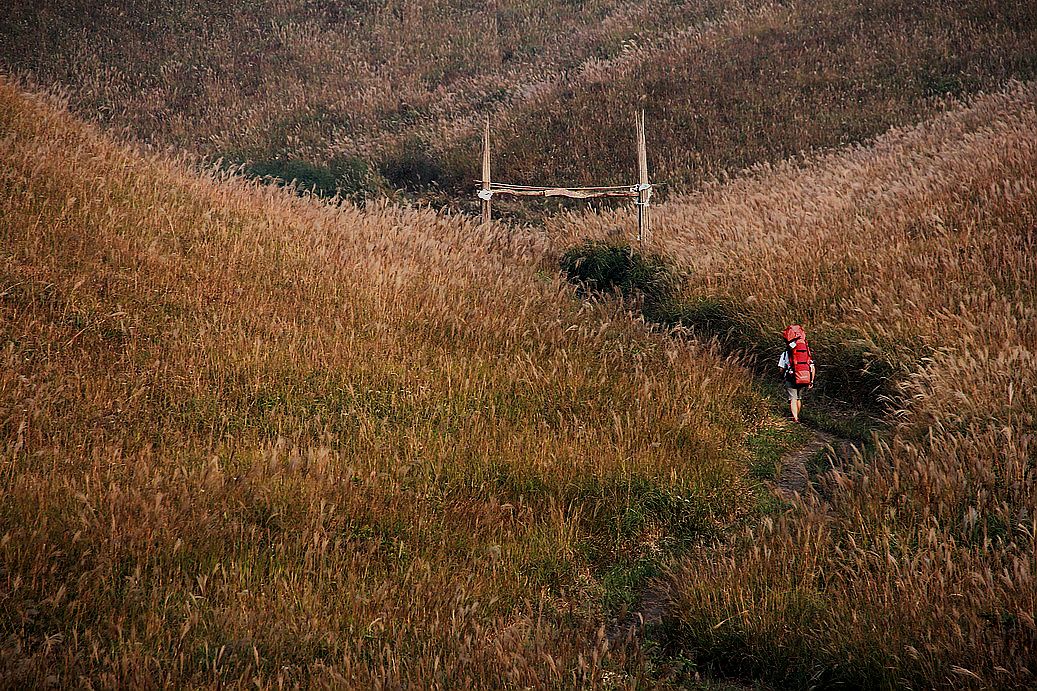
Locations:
{"points": [[640, 192]]}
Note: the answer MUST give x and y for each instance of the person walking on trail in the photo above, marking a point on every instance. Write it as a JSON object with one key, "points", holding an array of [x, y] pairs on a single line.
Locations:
{"points": [[797, 367]]}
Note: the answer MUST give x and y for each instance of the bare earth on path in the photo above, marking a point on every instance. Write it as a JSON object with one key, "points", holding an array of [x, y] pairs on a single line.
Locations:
{"points": [[792, 482], [793, 477]]}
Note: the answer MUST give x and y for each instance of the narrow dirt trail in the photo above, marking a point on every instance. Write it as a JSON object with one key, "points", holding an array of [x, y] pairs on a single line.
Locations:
{"points": [[792, 483], [793, 477]]}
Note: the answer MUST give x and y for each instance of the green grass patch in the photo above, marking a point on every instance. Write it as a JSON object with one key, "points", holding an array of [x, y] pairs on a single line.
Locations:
{"points": [[856, 426], [623, 582], [603, 268], [347, 177], [415, 166]]}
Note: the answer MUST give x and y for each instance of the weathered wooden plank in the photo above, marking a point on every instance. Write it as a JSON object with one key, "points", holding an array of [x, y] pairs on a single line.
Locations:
{"points": [[570, 193], [507, 186], [644, 189]]}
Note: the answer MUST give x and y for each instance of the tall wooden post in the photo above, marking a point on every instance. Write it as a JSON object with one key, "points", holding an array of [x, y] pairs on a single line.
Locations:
{"points": [[644, 221], [486, 173]]}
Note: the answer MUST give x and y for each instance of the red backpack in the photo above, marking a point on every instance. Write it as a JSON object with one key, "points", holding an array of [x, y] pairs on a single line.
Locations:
{"points": [[800, 356]]}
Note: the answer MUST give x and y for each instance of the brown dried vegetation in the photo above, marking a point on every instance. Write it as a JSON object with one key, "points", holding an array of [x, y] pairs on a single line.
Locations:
{"points": [[247, 437], [763, 82], [314, 78], [404, 84], [919, 567]]}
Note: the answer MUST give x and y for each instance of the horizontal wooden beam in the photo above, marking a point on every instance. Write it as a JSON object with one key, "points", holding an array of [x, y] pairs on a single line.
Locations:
{"points": [[609, 188], [569, 193]]}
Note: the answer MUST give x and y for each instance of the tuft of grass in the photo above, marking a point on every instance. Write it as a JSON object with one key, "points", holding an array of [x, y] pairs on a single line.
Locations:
{"points": [[720, 318], [861, 370], [414, 166]]}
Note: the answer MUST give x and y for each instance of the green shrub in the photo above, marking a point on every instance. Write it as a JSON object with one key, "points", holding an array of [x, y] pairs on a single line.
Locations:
{"points": [[604, 268], [414, 167], [348, 177], [306, 176], [354, 178]]}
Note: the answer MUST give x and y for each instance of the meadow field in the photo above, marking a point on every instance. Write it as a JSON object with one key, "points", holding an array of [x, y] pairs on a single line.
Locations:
{"points": [[391, 95], [252, 436]]}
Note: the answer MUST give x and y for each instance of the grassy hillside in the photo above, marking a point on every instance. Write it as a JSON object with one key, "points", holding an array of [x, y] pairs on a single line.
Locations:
{"points": [[247, 437], [251, 438], [395, 91], [912, 264], [314, 79], [764, 84]]}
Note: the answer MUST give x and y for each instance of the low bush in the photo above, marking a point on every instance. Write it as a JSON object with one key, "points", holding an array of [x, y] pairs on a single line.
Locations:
{"points": [[857, 368], [306, 176], [606, 268], [413, 166], [354, 178], [734, 327], [348, 177]]}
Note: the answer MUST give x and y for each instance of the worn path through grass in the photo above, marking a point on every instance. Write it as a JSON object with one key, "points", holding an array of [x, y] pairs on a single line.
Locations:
{"points": [[792, 483], [793, 479]]}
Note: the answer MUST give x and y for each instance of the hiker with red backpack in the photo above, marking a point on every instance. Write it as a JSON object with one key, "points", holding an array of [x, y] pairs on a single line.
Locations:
{"points": [[797, 366]]}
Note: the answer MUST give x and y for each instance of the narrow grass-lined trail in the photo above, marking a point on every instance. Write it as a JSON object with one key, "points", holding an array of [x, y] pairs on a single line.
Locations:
{"points": [[791, 484], [651, 606], [656, 601], [793, 478]]}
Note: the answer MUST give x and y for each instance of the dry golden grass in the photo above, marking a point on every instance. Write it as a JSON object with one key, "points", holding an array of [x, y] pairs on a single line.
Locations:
{"points": [[759, 83], [919, 568], [315, 78], [247, 438]]}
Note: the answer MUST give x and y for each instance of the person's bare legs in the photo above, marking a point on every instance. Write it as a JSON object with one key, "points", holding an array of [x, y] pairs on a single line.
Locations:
{"points": [[794, 407], [793, 396]]}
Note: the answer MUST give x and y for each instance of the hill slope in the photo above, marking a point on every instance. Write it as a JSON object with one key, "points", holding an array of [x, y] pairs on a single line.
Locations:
{"points": [[311, 78], [913, 264], [249, 437], [404, 86], [763, 84]]}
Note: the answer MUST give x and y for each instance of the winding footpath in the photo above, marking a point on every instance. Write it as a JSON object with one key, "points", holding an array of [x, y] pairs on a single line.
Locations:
{"points": [[792, 484], [793, 477]]}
